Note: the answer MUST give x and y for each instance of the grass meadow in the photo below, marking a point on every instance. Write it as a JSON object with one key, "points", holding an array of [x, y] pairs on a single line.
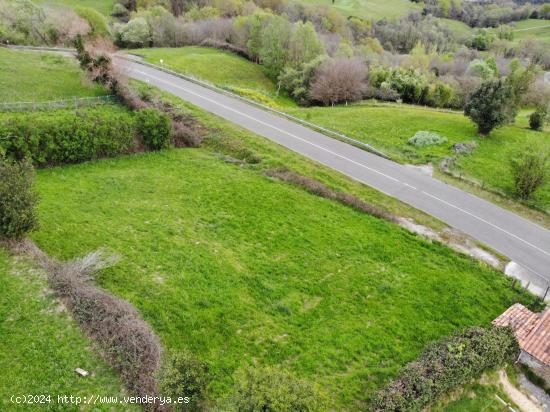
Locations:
{"points": [[243, 269], [231, 72], [105, 7], [28, 76], [41, 346], [539, 29], [370, 9]]}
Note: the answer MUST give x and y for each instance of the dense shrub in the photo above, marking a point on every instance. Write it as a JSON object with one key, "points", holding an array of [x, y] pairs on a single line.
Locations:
{"points": [[183, 375], [445, 365], [537, 118], [270, 389], [297, 81], [17, 199], [530, 169], [339, 80], [67, 136], [407, 84], [424, 138], [489, 105], [155, 128], [96, 20]]}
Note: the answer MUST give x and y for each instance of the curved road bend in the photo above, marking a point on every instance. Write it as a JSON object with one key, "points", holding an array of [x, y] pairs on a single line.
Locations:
{"points": [[515, 237]]}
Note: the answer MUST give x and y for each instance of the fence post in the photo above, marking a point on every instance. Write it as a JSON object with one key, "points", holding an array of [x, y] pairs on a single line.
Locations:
{"points": [[545, 293]]}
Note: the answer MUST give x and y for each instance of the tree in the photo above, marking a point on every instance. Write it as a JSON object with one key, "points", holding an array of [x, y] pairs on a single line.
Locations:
{"points": [[489, 105], [297, 81], [254, 43], [519, 80], [529, 170], [304, 45], [274, 50], [339, 80], [136, 33]]}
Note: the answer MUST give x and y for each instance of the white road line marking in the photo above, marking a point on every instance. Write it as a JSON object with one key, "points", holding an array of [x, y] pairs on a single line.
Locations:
{"points": [[271, 126], [489, 223], [408, 185], [342, 157]]}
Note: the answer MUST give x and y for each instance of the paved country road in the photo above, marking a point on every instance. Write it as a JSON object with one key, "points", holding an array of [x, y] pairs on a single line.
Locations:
{"points": [[515, 237]]}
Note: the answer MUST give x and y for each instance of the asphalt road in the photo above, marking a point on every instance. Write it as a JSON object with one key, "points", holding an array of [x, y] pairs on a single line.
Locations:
{"points": [[513, 236]]}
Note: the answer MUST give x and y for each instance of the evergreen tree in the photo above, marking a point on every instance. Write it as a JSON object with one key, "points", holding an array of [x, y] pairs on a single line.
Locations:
{"points": [[489, 105]]}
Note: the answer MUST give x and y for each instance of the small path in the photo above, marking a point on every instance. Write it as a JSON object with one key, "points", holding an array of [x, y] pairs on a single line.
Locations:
{"points": [[524, 402]]}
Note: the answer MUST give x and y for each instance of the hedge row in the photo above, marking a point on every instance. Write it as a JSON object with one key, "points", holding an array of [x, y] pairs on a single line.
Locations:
{"points": [[67, 136], [445, 365]]}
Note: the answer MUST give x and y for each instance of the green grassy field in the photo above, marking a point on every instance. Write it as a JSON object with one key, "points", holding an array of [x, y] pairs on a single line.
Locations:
{"points": [[232, 72], [370, 9], [539, 29], [41, 346], [105, 7], [35, 77], [240, 268]]}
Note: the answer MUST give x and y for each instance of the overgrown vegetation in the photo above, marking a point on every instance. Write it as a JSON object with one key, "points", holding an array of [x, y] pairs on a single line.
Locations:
{"points": [[184, 376], [17, 199], [272, 389], [69, 136], [445, 365], [530, 169]]}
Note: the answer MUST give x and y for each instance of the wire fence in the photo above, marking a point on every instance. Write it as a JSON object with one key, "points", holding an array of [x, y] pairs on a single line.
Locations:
{"points": [[73, 103]]}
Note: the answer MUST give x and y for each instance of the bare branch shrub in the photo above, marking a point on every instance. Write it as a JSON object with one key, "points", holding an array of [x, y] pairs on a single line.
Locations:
{"points": [[126, 341], [339, 80], [317, 188]]}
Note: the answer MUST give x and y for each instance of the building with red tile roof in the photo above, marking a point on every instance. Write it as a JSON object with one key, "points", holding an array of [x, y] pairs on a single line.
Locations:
{"points": [[532, 331]]}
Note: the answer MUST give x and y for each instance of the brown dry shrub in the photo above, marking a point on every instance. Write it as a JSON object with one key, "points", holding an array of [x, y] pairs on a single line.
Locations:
{"points": [[339, 80], [317, 188], [125, 340]]}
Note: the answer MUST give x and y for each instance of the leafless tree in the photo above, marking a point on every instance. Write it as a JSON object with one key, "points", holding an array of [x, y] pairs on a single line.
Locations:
{"points": [[339, 80]]}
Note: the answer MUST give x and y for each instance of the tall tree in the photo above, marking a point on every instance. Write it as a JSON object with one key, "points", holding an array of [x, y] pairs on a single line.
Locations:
{"points": [[274, 50], [304, 44], [489, 105]]}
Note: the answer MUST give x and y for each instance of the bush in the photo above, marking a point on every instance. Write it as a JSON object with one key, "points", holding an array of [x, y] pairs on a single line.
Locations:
{"points": [[125, 340], [529, 170], [537, 118], [489, 105], [424, 138], [271, 389], [339, 80], [66, 136], [445, 365], [17, 199], [155, 128], [182, 375]]}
